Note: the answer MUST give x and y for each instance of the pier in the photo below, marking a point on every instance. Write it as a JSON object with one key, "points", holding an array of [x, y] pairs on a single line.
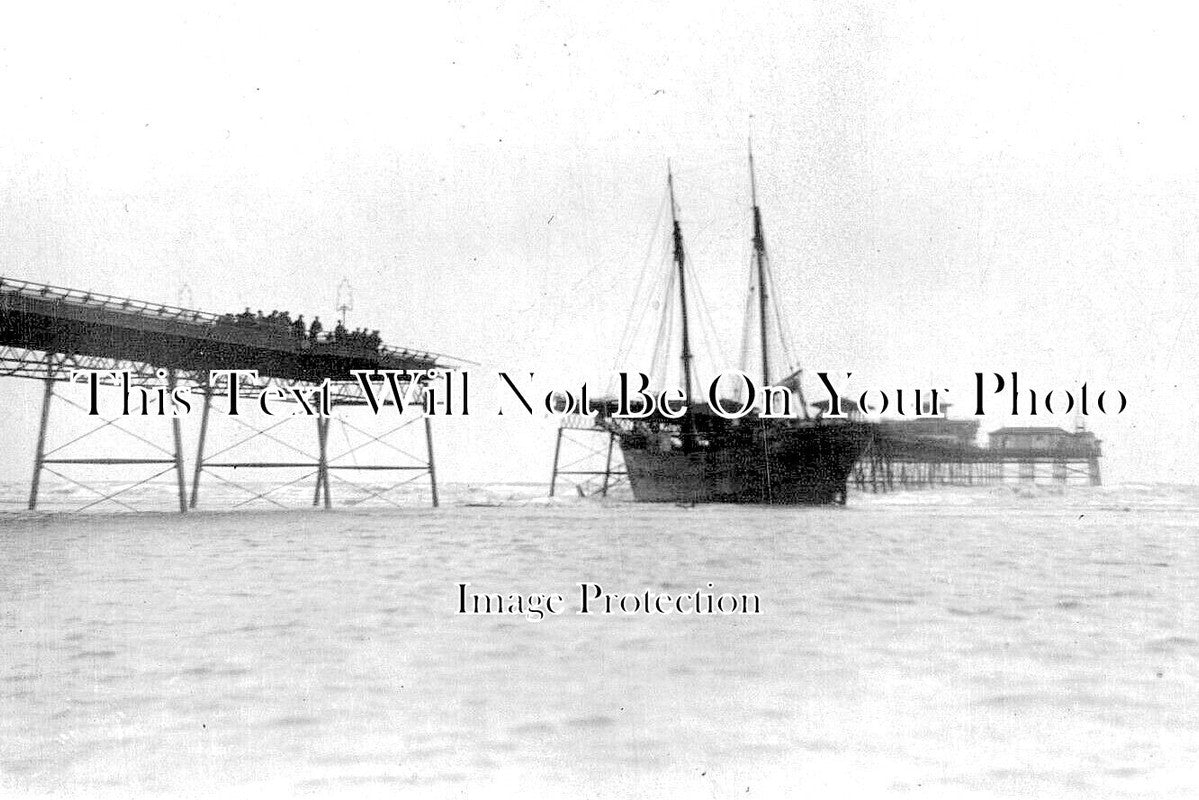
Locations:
{"points": [[580, 445], [937, 451], [922, 453], [48, 332]]}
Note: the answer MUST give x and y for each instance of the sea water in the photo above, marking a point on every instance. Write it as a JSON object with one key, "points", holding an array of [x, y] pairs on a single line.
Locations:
{"points": [[990, 642]]}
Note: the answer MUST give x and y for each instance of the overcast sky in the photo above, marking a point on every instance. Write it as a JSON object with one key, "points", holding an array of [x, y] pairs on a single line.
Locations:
{"points": [[947, 187]]}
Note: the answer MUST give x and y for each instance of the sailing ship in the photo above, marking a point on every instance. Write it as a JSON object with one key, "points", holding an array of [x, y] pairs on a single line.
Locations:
{"points": [[703, 457]]}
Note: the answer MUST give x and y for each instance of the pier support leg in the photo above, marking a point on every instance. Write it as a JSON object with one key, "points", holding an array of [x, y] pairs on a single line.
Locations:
{"points": [[557, 452], [177, 437], [325, 480], [316, 490], [322, 464], [432, 465], [608, 464], [200, 446], [40, 453]]}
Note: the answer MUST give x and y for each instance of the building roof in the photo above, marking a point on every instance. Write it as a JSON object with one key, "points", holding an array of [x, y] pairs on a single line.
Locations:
{"points": [[1030, 430], [943, 423]]}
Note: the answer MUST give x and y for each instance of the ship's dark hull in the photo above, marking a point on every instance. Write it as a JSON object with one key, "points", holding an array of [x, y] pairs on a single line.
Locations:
{"points": [[777, 464]]}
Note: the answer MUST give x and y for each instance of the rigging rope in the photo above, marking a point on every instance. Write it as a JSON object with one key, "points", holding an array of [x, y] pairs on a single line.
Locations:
{"points": [[662, 342], [747, 319], [709, 335], [627, 336]]}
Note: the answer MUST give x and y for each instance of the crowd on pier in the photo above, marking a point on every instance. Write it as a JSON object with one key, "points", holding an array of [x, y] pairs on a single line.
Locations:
{"points": [[299, 330]]}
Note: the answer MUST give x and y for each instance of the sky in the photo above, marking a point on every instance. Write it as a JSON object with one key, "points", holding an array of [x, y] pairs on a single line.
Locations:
{"points": [[947, 188]]}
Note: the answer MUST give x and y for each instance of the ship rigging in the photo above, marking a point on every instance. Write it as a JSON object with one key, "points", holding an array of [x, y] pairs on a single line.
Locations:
{"points": [[702, 455]]}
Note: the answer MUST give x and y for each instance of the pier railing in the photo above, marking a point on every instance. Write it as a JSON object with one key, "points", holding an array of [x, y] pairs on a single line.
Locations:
{"points": [[90, 307]]}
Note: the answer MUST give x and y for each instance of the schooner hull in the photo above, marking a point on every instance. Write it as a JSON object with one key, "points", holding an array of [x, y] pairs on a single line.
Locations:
{"points": [[783, 465]]}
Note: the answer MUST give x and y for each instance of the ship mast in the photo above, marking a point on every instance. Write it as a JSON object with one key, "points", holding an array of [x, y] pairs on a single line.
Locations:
{"points": [[760, 257], [680, 261]]}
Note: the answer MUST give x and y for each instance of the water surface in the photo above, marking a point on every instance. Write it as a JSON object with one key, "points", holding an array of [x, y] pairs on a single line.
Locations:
{"points": [[966, 643]]}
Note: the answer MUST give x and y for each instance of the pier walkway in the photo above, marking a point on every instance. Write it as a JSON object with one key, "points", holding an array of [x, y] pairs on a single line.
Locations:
{"points": [[47, 332]]}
